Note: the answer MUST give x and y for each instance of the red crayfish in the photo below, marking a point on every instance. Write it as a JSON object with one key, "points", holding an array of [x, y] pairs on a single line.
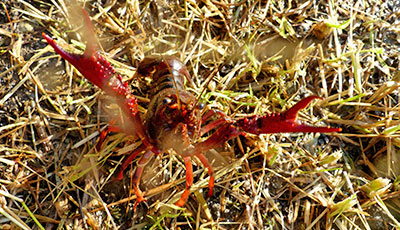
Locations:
{"points": [[174, 117]]}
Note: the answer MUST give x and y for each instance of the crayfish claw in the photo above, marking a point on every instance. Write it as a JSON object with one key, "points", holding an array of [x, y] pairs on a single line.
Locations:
{"points": [[88, 32], [91, 64], [285, 122], [291, 114]]}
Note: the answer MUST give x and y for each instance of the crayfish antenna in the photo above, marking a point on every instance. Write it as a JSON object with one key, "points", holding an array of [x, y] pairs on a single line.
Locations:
{"points": [[282, 123]]}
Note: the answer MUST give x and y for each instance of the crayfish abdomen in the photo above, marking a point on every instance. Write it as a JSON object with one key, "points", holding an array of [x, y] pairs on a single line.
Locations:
{"points": [[167, 72], [173, 117]]}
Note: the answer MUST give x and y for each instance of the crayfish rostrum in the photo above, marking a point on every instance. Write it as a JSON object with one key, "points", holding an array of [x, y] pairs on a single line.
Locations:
{"points": [[174, 117]]}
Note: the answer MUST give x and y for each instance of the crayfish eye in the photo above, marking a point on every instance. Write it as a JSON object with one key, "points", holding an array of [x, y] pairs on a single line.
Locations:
{"points": [[166, 100], [201, 105]]}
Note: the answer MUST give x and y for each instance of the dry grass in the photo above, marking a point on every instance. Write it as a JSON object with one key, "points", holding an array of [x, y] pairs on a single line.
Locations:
{"points": [[261, 56]]}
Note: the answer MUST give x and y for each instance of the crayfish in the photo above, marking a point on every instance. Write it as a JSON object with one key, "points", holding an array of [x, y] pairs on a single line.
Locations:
{"points": [[174, 117]]}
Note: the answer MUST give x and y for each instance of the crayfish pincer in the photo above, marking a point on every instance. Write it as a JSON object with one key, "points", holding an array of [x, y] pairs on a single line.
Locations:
{"points": [[174, 117]]}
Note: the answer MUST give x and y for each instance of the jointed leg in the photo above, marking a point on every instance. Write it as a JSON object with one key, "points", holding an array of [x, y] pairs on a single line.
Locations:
{"points": [[189, 181], [129, 159], [206, 164], [220, 136], [212, 125], [104, 134], [138, 174]]}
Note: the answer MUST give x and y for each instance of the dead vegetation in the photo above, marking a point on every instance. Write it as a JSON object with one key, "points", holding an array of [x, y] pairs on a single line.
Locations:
{"points": [[261, 56]]}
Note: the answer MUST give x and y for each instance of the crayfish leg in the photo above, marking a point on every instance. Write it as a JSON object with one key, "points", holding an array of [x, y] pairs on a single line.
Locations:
{"points": [[138, 175], [210, 172], [104, 133], [129, 159], [214, 124], [189, 181]]}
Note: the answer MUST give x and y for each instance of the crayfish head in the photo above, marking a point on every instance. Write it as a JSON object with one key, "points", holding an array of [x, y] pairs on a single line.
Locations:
{"points": [[171, 120], [177, 139]]}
